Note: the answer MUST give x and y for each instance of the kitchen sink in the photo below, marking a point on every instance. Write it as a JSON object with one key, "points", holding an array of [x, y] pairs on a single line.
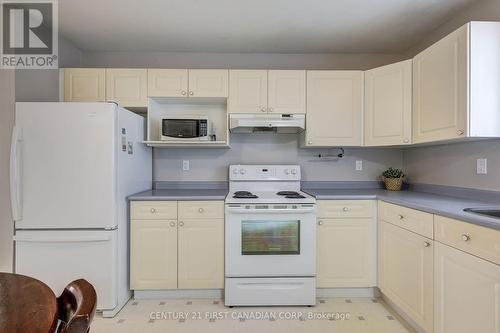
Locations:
{"points": [[491, 212]]}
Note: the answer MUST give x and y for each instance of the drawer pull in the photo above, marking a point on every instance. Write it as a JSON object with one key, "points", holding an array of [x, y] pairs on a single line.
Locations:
{"points": [[345, 209], [172, 224], [427, 244], [401, 217], [320, 222], [153, 210], [465, 237], [181, 224], [201, 210]]}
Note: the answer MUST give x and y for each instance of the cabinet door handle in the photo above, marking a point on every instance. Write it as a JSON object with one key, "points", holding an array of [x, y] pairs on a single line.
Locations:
{"points": [[263, 109], [406, 140], [401, 217], [320, 222], [465, 237], [183, 93], [172, 224], [271, 109], [427, 244], [460, 132], [181, 224], [191, 93], [153, 210], [309, 142]]}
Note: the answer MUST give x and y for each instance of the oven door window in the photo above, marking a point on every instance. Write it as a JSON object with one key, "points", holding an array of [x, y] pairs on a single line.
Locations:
{"points": [[270, 237]]}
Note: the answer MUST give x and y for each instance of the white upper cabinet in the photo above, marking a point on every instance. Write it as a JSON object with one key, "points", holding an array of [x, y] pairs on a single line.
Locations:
{"points": [[84, 84], [128, 87], [334, 108], [247, 91], [167, 82], [456, 83], [287, 91], [388, 104], [262, 91], [208, 82]]}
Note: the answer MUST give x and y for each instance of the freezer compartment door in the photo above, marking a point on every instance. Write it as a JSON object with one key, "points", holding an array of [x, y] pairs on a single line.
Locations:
{"points": [[59, 257], [63, 165]]}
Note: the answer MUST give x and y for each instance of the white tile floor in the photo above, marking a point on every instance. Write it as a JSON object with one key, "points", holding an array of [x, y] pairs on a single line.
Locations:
{"points": [[360, 315]]}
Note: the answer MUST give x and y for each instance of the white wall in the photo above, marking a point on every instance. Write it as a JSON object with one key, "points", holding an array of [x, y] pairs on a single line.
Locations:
{"points": [[455, 164], [7, 100], [212, 164]]}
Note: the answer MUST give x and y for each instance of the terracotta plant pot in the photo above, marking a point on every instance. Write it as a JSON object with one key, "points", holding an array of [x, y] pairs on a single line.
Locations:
{"points": [[393, 184]]}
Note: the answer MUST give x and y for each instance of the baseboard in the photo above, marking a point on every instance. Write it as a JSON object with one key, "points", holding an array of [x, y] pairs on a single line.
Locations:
{"points": [[112, 313], [180, 294], [403, 317], [219, 293], [346, 292]]}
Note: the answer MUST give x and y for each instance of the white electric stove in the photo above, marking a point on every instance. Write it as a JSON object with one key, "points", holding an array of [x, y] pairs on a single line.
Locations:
{"points": [[270, 238]]}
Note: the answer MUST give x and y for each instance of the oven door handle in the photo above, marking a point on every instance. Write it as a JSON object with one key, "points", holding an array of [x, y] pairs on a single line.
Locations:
{"points": [[270, 211]]}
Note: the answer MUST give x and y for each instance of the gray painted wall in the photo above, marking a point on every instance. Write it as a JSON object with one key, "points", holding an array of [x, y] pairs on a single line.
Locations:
{"points": [[237, 60], [7, 100], [212, 164], [455, 164], [42, 85]]}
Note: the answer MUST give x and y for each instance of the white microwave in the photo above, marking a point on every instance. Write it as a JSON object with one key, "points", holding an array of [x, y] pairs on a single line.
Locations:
{"points": [[185, 128]]}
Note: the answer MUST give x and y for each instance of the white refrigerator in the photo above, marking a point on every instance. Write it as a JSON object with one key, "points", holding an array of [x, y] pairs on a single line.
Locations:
{"points": [[72, 167]]}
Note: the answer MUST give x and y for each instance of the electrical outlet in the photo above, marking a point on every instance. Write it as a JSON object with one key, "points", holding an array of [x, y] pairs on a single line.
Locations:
{"points": [[482, 166], [185, 165], [359, 165]]}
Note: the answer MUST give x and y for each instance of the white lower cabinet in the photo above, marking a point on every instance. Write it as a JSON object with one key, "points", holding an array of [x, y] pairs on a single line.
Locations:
{"points": [[201, 254], [346, 244], [153, 255], [177, 253], [406, 272], [346, 253], [467, 292]]}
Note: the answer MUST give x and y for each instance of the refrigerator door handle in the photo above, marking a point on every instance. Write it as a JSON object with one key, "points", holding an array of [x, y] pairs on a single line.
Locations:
{"points": [[15, 186], [87, 239]]}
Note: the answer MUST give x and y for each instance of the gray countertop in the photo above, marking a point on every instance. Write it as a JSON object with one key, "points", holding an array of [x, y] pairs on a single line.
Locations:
{"points": [[432, 203], [180, 195], [436, 204]]}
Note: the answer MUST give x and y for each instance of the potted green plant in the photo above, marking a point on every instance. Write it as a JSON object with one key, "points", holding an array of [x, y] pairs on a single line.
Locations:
{"points": [[393, 179]]}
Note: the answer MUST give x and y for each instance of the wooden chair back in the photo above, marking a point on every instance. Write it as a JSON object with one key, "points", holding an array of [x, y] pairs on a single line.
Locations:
{"points": [[76, 306]]}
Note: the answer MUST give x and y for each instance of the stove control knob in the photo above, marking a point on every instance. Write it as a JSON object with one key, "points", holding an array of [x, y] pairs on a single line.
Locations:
{"points": [[235, 171], [287, 172], [243, 171], [293, 171]]}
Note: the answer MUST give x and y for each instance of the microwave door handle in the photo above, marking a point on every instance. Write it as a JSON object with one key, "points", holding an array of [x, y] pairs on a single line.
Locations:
{"points": [[15, 175]]}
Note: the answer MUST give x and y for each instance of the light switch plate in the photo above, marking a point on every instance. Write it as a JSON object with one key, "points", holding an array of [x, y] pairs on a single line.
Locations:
{"points": [[185, 165], [359, 165], [482, 166]]}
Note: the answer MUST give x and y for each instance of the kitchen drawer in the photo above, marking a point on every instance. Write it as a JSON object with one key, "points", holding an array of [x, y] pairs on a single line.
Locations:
{"points": [[479, 241], [407, 218], [345, 208], [201, 209], [153, 210]]}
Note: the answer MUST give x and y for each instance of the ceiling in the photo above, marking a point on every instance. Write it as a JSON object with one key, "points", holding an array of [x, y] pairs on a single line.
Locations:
{"points": [[274, 26]]}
